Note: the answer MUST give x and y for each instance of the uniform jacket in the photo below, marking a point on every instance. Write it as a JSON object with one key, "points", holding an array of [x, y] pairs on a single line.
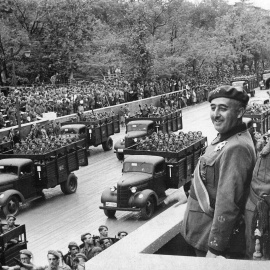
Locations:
{"points": [[226, 170], [260, 186]]}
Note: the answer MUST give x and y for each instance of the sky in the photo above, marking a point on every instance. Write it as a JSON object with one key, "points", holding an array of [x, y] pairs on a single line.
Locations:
{"points": [[265, 4]]}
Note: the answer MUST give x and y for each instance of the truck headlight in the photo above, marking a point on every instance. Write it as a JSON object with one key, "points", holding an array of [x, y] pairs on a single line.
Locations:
{"points": [[113, 188], [2, 196], [133, 189], [135, 139], [122, 141]]}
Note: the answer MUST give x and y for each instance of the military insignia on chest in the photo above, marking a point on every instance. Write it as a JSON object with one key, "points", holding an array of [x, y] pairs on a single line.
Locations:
{"points": [[220, 146]]}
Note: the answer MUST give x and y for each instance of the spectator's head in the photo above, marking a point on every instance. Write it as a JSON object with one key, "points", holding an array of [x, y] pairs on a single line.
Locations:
{"points": [[81, 257], [103, 231], [10, 220], [25, 256], [53, 259], [73, 248], [122, 234], [105, 242], [87, 238], [96, 250]]}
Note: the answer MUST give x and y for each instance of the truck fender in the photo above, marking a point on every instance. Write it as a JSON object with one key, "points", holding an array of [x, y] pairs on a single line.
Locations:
{"points": [[140, 198], [6, 194], [108, 196], [119, 145]]}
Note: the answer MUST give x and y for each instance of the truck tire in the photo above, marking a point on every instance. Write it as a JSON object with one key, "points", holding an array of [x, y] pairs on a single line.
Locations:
{"points": [[109, 213], [252, 94], [12, 206], [107, 146], [148, 210], [69, 186], [120, 156]]}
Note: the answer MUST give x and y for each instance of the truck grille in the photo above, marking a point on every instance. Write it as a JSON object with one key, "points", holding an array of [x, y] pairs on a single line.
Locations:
{"points": [[123, 195], [129, 142]]}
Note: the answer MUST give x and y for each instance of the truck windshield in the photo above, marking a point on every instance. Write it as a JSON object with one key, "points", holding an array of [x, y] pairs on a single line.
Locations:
{"points": [[266, 76], [69, 131], [136, 127], [138, 167], [9, 169], [238, 83]]}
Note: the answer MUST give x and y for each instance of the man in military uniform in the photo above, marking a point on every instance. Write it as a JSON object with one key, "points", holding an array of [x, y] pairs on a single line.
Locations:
{"points": [[213, 222]]}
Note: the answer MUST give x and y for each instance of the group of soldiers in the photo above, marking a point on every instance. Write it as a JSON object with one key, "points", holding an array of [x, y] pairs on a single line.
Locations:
{"points": [[153, 111], [43, 139], [168, 142]]}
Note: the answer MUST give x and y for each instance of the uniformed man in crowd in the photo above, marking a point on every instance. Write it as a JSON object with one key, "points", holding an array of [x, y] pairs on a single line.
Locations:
{"points": [[213, 223], [73, 250], [25, 261], [88, 242], [103, 231]]}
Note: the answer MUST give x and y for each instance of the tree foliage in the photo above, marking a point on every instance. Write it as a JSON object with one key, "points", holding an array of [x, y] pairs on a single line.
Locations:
{"points": [[143, 38]]}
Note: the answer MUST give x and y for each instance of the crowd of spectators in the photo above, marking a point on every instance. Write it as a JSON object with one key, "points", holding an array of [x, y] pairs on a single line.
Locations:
{"points": [[64, 100], [76, 255]]}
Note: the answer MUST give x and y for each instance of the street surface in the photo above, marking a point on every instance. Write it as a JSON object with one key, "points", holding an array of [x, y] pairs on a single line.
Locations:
{"points": [[54, 222]]}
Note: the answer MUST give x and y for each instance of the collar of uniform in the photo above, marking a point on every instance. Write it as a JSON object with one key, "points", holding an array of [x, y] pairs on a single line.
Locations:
{"points": [[222, 137]]}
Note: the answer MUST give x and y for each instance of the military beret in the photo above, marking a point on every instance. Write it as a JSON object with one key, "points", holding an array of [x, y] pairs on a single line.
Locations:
{"points": [[81, 255], [73, 244], [228, 91], [54, 253], [83, 236], [9, 216], [26, 252]]}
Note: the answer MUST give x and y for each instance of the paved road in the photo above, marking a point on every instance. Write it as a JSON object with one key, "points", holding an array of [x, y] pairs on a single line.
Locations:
{"points": [[53, 223]]}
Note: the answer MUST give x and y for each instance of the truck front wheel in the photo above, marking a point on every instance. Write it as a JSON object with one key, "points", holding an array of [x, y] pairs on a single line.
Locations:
{"points": [[120, 156], [109, 213], [148, 210], [12, 206], [70, 186], [107, 146]]}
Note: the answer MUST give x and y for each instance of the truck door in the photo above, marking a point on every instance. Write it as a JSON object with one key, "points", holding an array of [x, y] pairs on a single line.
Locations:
{"points": [[26, 182], [159, 182]]}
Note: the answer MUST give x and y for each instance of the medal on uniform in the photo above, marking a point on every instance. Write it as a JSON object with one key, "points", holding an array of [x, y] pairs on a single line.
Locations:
{"points": [[220, 146]]}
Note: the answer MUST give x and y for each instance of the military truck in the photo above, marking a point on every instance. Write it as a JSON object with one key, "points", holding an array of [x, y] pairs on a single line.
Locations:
{"points": [[247, 83], [24, 176], [146, 175], [95, 133], [139, 127], [265, 83]]}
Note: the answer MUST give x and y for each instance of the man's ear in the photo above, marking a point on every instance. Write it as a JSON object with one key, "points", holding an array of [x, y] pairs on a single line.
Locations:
{"points": [[241, 112]]}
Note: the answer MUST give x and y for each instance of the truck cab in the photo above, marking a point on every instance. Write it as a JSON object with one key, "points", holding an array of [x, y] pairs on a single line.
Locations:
{"points": [[265, 83], [134, 130], [141, 187], [93, 136], [244, 85], [18, 176]]}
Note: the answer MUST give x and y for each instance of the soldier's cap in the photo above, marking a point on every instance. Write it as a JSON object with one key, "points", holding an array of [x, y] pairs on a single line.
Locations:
{"points": [[81, 255], [83, 236], [54, 253], [9, 216], [26, 252], [73, 244], [227, 91]]}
